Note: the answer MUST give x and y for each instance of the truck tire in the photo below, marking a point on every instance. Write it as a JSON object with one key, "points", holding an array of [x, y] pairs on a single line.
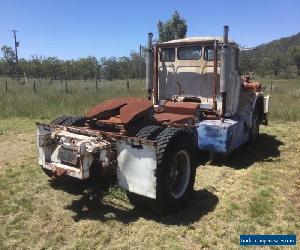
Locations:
{"points": [[68, 120], [254, 131], [176, 170], [149, 132], [77, 121], [60, 120]]}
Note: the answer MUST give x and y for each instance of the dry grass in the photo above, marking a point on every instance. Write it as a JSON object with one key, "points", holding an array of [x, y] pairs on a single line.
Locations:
{"points": [[256, 191]]}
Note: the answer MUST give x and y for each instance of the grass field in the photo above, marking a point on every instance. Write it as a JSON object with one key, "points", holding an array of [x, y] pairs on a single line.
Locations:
{"points": [[255, 191], [51, 100]]}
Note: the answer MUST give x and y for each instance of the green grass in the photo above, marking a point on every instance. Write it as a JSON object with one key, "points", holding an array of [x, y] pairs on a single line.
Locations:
{"points": [[285, 99], [256, 191], [50, 100]]}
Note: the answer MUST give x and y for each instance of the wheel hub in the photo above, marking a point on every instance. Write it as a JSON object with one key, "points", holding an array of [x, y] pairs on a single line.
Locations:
{"points": [[180, 174]]}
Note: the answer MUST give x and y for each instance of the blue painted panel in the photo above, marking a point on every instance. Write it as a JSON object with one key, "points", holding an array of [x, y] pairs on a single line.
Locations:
{"points": [[221, 136]]}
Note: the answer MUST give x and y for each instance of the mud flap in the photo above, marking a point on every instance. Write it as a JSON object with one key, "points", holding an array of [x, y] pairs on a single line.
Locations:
{"points": [[136, 168]]}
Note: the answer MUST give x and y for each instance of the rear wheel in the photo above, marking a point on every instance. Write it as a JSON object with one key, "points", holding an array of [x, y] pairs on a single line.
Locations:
{"points": [[77, 121], [68, 120], [149, 132], [175, 172], [60, 120], [180, 173]]}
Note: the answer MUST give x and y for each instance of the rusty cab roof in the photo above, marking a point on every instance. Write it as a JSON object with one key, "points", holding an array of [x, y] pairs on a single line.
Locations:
{"points": [[195, 41]]}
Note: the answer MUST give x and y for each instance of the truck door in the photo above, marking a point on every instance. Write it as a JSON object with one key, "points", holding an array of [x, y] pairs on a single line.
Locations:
{"points": [[167, 73]]}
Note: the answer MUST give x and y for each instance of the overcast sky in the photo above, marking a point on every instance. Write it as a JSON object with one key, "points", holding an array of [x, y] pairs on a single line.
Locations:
{"points": [[71, 29]]}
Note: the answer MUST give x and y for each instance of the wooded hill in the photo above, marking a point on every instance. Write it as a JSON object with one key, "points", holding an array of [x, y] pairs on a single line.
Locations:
{"points": [[279, 57]]}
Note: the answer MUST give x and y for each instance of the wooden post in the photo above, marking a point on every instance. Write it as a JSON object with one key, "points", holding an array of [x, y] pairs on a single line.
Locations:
{"points": [[97, 83], [127, 84], [271, 86], [6, 86], [66, 86], [34, 90]]}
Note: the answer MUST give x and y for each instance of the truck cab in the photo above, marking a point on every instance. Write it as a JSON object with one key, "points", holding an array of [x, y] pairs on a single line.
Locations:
{"points": [[186, 68]]}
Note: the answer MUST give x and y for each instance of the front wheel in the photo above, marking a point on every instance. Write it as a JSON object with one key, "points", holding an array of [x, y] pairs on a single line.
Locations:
{"points": [[254, 131]]}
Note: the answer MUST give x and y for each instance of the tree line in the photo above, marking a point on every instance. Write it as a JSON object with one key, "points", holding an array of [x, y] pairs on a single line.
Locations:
{"points": [[132, 66], [279, 58]]}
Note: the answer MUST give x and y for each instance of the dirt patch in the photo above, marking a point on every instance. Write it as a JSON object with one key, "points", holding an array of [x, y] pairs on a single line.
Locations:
{"points": [[16, 147]]}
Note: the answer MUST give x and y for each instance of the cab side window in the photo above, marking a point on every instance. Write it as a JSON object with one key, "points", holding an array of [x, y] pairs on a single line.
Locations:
{"points": [[167, 55], [209, 53]]}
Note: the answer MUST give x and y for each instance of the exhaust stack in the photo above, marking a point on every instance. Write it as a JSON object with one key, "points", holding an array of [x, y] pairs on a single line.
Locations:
{"points": [[149, 66], [224, 69]]}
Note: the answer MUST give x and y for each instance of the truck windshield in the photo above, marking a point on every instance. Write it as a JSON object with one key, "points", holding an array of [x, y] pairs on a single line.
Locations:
{"points": [[167, 55], [189, 53]]}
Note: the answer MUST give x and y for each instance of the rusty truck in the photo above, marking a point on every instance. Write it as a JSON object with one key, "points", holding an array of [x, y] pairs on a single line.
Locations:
{"points": [[197, 102]]}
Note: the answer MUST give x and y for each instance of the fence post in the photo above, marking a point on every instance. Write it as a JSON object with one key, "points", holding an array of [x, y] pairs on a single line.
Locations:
{"points": [[66, 86], [271, 86], [34, 90], [97, 83], [127, 84], [6, 86]]}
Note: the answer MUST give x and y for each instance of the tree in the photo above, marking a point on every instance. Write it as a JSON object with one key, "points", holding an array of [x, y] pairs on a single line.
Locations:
{"points": [[277, 62], [9, 56], [294, 51], [174, 28]]}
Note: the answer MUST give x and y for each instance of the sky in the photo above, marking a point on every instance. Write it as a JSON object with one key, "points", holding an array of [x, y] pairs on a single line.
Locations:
{"points": [[77, 28]]}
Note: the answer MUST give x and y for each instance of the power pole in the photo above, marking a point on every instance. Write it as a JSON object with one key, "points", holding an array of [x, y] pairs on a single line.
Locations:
{"points": [[16, 51], [141, 62]]}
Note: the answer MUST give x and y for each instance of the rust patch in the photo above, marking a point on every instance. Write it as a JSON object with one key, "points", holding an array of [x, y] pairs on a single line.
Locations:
{"points": [[107, 109], [134, 108], [249, 85], [253, 86], [59, 172], [177, 112], [173, 118], [120, 110], [184, 108]]}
